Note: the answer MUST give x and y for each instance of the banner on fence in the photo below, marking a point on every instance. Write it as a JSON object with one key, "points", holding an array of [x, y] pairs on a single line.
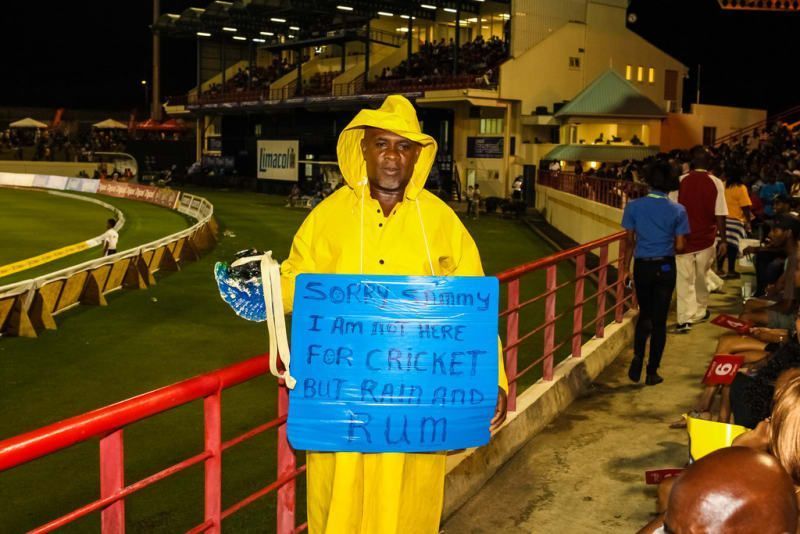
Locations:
{"points": [[393, 363], [147, 193]]}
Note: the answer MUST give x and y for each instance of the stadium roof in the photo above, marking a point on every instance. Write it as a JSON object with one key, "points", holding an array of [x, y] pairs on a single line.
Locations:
{"points": [[610, 95], [268, 20], [602, 153]]}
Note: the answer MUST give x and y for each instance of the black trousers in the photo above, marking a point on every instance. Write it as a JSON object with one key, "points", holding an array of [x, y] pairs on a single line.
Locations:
{"points": [[769, 267], [655, 282]]}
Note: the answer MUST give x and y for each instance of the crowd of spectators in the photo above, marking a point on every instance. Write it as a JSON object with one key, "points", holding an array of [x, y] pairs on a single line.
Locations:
{"points": [[759, 182], [747, 192], [479, 58], [253, 78]]}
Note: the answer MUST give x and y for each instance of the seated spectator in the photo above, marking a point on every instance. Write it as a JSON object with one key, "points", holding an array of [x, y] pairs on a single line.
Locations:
{"points": [[727, 491], [294, 196], [769, 191], [777, 310]]}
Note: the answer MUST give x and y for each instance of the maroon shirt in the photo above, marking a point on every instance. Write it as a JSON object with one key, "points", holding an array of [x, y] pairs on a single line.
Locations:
{"points": [[698, 194]]}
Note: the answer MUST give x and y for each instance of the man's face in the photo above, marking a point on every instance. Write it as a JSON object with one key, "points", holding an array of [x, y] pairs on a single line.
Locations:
{"points": [[390, 158], [778, 236], [782, 207]]}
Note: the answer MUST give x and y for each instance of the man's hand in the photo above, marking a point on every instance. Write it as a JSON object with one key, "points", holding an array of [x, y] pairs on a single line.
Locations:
{"points": [[500, 410]]}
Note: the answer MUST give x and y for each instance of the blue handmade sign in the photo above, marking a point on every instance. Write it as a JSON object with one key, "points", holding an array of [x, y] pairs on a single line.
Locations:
{"points": [[393, 363]]}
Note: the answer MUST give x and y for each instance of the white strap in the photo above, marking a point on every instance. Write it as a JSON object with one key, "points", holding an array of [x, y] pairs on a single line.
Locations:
{"points": [[276, 321]]}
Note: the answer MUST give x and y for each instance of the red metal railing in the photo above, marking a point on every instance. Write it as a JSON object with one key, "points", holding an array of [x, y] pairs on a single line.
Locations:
{"points": [[108, 423], [607, 191], [556, 330]]}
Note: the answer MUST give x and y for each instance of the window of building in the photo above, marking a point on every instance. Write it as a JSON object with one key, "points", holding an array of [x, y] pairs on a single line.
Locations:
{"points": [[574, 62], [651, 75], [258, 130], [628, 72], [491, 126], [671, 85], [639, 73]]}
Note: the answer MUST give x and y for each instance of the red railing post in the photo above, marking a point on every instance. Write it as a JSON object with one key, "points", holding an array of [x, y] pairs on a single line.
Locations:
{"points": [[577, 313], [512, 334], [287, 463], [620, 289], [213, 465], [550, 324], [602, 287], [112, 480]]}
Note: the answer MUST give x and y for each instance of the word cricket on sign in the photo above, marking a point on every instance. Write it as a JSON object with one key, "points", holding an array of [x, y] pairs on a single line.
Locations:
{"points": [[722, 369], [393, 363]]}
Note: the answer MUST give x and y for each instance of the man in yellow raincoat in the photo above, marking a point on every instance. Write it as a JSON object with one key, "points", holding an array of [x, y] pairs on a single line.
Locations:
{"points": [[383, 222]]}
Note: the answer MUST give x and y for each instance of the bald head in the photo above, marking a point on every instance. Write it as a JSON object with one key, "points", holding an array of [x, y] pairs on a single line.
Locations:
{"points": [[733, 490]]}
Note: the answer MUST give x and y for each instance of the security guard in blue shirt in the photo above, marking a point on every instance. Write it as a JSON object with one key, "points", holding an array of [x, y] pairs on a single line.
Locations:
{"points": [[655, 227]]}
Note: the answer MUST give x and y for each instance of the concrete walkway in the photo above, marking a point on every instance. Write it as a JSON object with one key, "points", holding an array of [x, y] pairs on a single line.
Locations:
{"points": [[585, 472]]}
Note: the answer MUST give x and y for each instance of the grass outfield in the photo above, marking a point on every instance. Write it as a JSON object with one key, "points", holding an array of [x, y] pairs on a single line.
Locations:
{"points": [[77, 219], [35, 222], [151, 338]]}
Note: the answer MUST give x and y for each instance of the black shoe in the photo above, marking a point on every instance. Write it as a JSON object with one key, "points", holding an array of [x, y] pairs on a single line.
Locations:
{"points": [[683, 328], [704, 318], [635, 370], [653, 379], [732, 276]]}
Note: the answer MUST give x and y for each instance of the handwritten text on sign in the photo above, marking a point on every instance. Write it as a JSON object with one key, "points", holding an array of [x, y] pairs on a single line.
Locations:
{"points": [[393, 363]]}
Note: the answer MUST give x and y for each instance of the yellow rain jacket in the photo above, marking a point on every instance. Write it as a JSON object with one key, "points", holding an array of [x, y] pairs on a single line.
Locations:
{"points": [[386, 493]]}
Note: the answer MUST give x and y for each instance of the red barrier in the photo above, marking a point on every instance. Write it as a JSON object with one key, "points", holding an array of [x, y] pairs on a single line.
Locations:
{"points": [[107, 423], [551, 342], [608, 191]]}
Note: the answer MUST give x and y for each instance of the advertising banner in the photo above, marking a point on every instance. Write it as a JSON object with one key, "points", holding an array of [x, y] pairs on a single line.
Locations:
{"points": [[147, 193], [393, 363], [277, 160]]}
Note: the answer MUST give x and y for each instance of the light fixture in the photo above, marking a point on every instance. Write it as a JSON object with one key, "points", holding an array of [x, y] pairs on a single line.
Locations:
{"points": [[450, 10], [203, 34], [405, 17], [385, 14], [239, 38], [402, 29], [484, 20], [294, 28], [266, 34], [144, 82], [290, 36], [344, 8], [229, 29], [275, 19], [427, 6], [505, 16], [257, 40], [484, 27]]}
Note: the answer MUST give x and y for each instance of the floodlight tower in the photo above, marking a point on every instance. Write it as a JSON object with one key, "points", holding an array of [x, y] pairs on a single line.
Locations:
{"points": [[155, 101]]}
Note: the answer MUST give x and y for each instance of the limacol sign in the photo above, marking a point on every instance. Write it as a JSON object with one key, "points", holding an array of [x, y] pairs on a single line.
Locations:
{"points": [[277, 160]]}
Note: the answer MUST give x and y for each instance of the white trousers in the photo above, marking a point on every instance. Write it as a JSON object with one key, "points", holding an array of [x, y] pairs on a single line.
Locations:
{"points": [[691, 288]]}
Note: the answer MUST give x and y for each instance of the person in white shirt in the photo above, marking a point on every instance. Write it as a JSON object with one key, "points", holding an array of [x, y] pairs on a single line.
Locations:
{"points": [[110, 238]]}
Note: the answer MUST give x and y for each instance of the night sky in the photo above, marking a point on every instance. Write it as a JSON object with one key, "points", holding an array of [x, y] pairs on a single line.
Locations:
{"points": [[93, 53]]}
